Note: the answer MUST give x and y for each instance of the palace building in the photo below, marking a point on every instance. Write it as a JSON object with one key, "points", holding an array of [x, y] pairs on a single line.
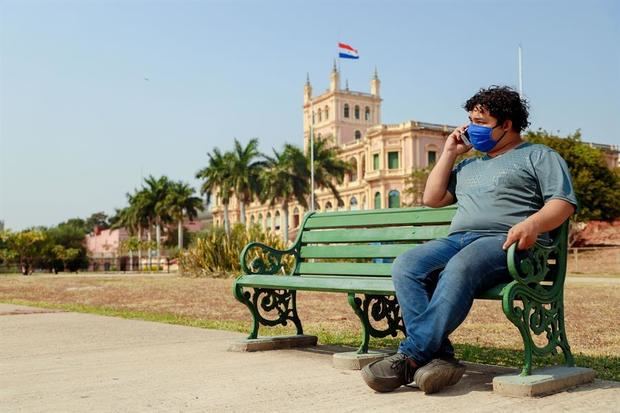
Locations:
{"points": [[383, 155]]}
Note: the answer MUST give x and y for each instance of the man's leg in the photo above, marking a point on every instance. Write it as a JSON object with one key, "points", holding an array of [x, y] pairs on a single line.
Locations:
{"points": [[480, 264], [412, 274]]}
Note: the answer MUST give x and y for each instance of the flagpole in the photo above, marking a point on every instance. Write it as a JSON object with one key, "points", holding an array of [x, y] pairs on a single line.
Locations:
{"points": [[520, 73], [311, 154]]}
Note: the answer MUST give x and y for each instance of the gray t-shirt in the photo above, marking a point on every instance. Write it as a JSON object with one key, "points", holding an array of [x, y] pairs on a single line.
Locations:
{"points": [[494, 194]]}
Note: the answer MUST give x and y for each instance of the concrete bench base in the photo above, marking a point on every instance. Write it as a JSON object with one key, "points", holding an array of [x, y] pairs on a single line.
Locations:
{"points": [[273, 343], [542, 381], [353, 361]]}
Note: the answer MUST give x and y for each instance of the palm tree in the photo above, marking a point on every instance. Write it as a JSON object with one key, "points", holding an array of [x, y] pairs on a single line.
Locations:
{"points": [[180, 202], [139, 214], [329, 170], [156, 190], [123, 218], [245, 173], [217, 178], [286, 179]]}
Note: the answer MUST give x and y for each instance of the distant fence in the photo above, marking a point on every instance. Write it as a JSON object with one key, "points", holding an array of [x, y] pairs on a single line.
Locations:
{"points": [[584, 260], [594, 260]]}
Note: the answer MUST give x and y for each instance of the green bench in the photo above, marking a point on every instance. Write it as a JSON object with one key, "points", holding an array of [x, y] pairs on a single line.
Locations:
{"points": [[350, 252]]}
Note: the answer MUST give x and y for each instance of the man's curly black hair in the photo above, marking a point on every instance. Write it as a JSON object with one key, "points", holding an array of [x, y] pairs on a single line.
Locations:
{"points": [[503, 103]]}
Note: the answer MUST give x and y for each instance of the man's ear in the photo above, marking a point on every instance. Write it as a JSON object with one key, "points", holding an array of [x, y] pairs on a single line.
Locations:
{"points": [[507, 125]]}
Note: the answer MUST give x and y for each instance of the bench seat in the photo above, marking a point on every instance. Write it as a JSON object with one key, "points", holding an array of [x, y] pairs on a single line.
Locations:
{"points": [[335, 283]]}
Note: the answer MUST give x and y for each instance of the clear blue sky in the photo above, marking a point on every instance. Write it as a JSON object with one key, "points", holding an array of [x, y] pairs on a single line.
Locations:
{"points": [[80, 124]]}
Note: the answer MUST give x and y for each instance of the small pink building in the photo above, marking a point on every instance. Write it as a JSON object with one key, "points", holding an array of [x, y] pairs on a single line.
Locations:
{"points": [[103, 248]]}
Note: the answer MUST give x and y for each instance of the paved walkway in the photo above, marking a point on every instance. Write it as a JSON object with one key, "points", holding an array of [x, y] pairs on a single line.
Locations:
{"points": [[57, 361]]}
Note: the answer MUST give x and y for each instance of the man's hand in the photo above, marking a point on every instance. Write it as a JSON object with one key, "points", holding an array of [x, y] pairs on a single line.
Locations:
{"points": [[454, 144], [524, 233]]}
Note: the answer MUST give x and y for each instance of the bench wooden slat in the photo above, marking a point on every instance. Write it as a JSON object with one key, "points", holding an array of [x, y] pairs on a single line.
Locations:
{"points": [[355, 251], [345, 268], [408, 233], [399, 217], [370, 285]]}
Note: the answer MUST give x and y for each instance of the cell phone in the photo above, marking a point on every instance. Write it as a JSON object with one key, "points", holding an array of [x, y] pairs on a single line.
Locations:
{"points": [[465, 138]]}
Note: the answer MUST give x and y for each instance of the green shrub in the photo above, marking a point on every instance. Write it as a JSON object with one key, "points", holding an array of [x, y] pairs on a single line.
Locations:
{"points": [[213, 254]]}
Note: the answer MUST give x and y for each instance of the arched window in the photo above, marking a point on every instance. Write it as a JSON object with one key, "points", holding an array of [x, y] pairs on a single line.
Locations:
{"points": [[252, 219], [340, 204], [320, 117], [296, 217], [367, 113], [217, 222], [268, 221], [357, 112], [260, 220], [328, 206], [358, 135], [346, 110], [353, 173], [313, 117], [326, 112], [394, 199], [277, 221], [353, 204], [377, 200]]}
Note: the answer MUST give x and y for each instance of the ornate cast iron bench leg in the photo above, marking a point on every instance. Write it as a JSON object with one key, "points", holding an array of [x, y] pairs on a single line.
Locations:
{"points": [[540, 313], [264, 301], [379, 307]]}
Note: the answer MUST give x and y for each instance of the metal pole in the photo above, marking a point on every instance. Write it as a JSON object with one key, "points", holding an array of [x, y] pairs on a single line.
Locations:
{"points": [[311, 155], [520, 72]]}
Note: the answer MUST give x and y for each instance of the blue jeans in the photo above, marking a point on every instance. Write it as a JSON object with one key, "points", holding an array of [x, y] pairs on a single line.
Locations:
{"points": [[435, 284]]}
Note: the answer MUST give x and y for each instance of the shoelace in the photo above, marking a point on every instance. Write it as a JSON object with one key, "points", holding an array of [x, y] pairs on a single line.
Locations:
{"points": [[402, 364]]}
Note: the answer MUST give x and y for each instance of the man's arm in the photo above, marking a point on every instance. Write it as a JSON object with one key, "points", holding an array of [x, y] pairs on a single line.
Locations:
{"points": [[550, 216], [436, 192]]}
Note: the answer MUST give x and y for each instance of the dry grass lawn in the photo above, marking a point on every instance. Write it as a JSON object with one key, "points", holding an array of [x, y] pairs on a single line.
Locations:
{"points": [[591, 309]]}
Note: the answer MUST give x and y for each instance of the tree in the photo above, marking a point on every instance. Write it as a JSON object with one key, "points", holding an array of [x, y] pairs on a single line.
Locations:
{"points": [[180, 202], [415, 184], [22, 247], [596, 186], [329, 169], [285, 179], [217, 179], [70, 236], [245, 173], [97, 220], [65, 255], [130, 245], [155, 191]]}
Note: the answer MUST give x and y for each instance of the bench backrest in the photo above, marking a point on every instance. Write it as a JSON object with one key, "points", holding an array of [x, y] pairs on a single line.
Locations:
{"points": [[362, 243]]}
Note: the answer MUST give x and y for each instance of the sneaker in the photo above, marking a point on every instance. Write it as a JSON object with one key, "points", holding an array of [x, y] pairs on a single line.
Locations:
{"points": [[458, 369], [390, 373], [438, 374]]}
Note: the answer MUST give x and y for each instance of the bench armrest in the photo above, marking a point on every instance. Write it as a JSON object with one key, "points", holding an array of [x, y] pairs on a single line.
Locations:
{"points": [[531, 268], [268, 261]]}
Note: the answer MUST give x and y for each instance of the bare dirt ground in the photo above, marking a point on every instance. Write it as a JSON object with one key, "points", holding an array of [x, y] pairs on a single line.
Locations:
{"points": [[591, 307], [600, 262]]}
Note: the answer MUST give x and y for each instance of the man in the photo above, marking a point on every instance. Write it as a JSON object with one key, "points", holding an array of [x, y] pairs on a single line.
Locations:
{"points": [[516, 192]]}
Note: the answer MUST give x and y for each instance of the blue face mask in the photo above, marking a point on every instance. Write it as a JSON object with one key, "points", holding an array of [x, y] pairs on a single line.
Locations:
{"points": [[480, 137]]}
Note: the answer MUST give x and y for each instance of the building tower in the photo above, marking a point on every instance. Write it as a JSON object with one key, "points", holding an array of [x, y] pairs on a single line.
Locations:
{"points": [[344, 115]]}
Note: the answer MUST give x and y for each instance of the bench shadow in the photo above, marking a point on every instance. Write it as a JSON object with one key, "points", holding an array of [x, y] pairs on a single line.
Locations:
{"points": [[477, 377]]}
